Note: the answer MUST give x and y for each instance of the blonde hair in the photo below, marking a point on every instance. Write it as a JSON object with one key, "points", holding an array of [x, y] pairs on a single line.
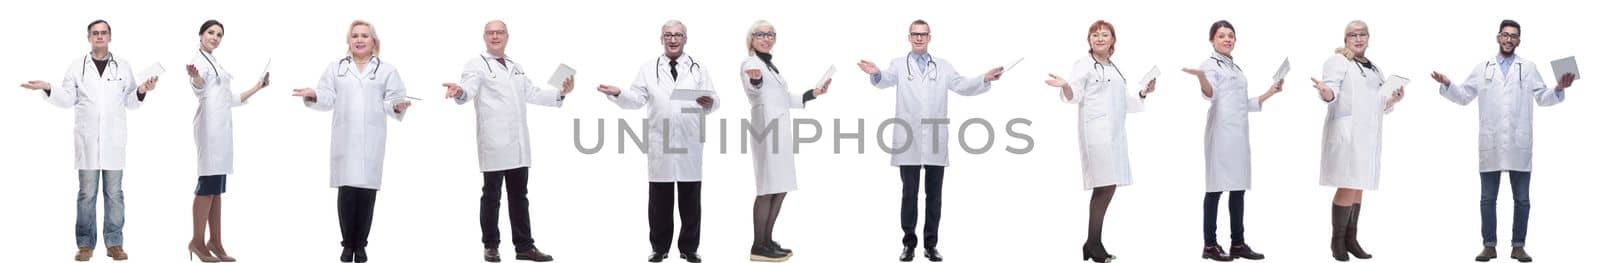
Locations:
{"points": [[1350, 28], [750, 37], [376, 45]]}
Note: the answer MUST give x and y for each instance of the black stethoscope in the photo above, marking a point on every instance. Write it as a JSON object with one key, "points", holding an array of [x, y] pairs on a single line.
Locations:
{"points": [[375, 65], [1227, 64], [931, 64], [1490, 68], [1102, 69], [213, 64], [111, 66], [515, 69], [692, 66]]}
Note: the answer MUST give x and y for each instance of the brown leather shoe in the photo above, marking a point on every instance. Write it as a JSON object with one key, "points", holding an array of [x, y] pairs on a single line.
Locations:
{"points": [[84, 253], [116, 253]]}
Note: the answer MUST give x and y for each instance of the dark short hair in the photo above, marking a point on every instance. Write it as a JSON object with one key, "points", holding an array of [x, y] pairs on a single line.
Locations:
{"points": [[1219, 25], [210, 23], [1510, 23], [91, 25]]}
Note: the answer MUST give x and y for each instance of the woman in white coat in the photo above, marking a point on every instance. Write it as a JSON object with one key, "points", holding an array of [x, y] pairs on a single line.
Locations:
{"points": [[673, 139], [1227, 141], [361, 90], [1352, 136], [213, 137], [1098, 87], [770, 102]]}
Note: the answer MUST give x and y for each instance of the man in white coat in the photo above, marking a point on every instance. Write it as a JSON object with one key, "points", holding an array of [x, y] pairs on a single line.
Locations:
{"points": [[99, 88], [1509, 85], [673, 139], [503, 91], [920, 103]]}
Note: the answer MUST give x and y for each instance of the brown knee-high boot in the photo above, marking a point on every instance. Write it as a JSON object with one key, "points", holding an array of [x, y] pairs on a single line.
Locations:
{"points": [[1350, 236], [1341, 223]]}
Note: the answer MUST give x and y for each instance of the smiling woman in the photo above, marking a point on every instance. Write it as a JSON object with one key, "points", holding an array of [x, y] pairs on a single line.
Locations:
{"points": [[213, 136]]}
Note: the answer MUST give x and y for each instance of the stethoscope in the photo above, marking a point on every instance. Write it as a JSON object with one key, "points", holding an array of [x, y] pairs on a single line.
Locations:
{"points": [[214, 70], [931, 65], [376, 63], [1489, 67], [1222, 64], [1102, 69], [692, 66], [111, 66], [515, 69]]}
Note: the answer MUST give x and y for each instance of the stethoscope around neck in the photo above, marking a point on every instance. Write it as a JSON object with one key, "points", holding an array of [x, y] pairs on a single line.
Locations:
{"points": [[111, 66], [1490, 68], [376, 63], [515, 69], [692, 66], [1101, 67], [911, 74]]}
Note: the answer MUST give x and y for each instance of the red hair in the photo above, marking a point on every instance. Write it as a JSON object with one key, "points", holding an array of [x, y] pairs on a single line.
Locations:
{"points": [[1098, 24]]}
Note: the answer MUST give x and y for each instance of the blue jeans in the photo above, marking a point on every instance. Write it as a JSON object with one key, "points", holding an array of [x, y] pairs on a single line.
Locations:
{"points": [[89, 182], [1486, 204]]}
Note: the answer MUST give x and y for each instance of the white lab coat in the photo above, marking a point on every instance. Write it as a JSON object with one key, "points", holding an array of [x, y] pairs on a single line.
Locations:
{"points": [[924, 94], [213, 119], [99, 103], [1505, 113], [668, 125], [1103, 106], [503, 93], [359, 100], [1352, 136], [769, 111], [1228, 125]]}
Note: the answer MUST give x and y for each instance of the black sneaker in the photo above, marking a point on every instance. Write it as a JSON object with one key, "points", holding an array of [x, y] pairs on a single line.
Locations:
{"points": [[767, 253]]}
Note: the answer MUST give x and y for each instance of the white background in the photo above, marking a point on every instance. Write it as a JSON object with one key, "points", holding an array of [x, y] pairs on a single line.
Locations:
{"points": [[999, 207]]}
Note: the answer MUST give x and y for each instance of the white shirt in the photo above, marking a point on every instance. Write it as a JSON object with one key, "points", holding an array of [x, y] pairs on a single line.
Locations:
{"points": [[674, 136], [359, 100], [920, 95], [502, 92], [99, 103], [1103, 106], [1228, 125], [1505, 111], [213, 119]]}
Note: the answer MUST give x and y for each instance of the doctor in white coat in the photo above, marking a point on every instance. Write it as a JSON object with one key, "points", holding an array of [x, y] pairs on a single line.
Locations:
{"points": [[99, 87], [1227, 141], [213, 137], [361, 90], [1352, 137], [673, 139], [770, 102], [1509, 86], [502, 92], [921, 100], [1098, 87]]}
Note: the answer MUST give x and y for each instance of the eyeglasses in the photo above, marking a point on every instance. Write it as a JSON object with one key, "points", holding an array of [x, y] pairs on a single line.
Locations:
{"points": [[766, 35], [100, 33], [1510, 35], [496, 33], [673, 36], [1358, 35], [920, 34]]}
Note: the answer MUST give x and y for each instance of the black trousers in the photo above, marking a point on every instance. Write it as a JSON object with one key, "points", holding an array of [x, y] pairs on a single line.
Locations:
{"points": [[355, 215], [661, 194], [516, 185], [909, 176], [1235, 217]]}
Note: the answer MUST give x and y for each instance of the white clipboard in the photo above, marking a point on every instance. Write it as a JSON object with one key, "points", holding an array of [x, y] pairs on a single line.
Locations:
{"points": [[154, 70], [1564, 66], [1155, 71], [1396, 81], [1008, 67], [826, 76], [691, 94], [563, 72], [1283, 71]]}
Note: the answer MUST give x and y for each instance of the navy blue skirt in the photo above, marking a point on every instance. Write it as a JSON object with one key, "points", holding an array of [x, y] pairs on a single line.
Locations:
{"points": [[212, 185]]}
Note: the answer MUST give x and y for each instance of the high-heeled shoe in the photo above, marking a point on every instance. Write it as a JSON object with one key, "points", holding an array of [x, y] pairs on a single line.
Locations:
{"points": [[221, 255], [1097, 253], [194, 252]]}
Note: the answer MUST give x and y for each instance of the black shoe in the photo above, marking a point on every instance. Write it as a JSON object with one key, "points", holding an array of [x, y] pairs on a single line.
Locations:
{"points": [[774, 244], [360, 255], [535, 256], [348, 255], [932, 254], [1351, 243], [1214, 252], [1520, 255], [907, 254], [1097, 252], [765, 252], [491, 255], [1244, 251], [691, 257], [658, 256]]}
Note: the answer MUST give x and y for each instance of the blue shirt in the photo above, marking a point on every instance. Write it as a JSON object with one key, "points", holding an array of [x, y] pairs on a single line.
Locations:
{"points": [[1505, 64], [922, 65]]}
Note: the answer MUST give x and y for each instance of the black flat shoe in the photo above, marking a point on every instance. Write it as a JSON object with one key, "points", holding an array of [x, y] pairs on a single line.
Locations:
{"points": [[775, 245], [360, 255], [1243, 251], [932, 254], [491, 255], [765, 252], [535, 256], [348, 255], [907, 254], [1215, 253], [657, 256], [691, 257]]}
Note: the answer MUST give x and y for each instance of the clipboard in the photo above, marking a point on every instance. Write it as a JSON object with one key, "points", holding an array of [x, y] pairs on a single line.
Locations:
{"points": [[563, 72]]}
